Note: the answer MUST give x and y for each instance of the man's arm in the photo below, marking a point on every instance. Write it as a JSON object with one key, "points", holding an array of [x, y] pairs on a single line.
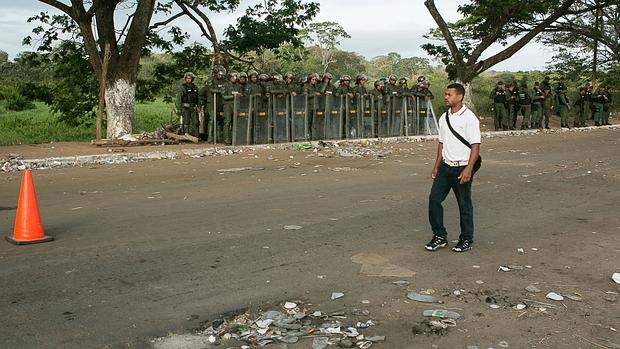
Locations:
{"points": [[438, 160]]}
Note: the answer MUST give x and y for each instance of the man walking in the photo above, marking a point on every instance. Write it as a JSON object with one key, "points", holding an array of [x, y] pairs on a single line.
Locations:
{"points": [[454, 169]]}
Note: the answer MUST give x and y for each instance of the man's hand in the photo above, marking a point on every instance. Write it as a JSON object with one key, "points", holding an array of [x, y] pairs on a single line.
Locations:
{"points": [[465, 176]]}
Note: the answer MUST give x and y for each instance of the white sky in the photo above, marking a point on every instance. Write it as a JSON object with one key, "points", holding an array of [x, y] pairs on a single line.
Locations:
{"points": [[376, 28]]}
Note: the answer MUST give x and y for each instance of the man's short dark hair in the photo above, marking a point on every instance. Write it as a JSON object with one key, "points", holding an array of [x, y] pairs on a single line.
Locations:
{"points": [[458, 87]]}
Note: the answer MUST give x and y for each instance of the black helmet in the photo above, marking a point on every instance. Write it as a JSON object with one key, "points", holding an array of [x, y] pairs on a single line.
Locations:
{"points": [[392, 77], [219, 68], [252, 72], [263, 77], [289, 75], [328, 75], [345, 78]]}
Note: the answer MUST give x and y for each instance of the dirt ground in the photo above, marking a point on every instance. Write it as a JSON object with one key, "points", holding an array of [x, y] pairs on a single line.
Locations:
{"points": [[153, 248]]}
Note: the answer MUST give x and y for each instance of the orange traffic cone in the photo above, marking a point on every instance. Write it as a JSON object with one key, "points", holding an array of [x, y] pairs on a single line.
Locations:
{"points": [[28, 227]]}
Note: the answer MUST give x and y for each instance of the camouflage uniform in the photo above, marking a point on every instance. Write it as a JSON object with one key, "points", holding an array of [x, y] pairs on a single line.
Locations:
{"points": [[229, 91], [187, 103], [525, 105], [537, 108], [500, 100]]}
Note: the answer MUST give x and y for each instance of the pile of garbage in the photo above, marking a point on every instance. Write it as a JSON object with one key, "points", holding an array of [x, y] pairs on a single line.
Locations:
{"points": [[291, 324]]}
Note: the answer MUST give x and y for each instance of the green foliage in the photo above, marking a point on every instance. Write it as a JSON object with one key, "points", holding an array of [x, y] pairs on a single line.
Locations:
{"points": [[76, 90], [13, 100], [269, 24]]}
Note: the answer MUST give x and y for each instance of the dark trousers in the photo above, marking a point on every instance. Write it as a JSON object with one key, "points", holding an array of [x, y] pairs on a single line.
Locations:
{"points": [[446, 179]]}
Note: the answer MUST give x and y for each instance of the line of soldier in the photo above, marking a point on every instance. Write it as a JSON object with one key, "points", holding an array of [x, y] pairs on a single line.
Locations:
{"points": [[191, 101], [536, 105]]}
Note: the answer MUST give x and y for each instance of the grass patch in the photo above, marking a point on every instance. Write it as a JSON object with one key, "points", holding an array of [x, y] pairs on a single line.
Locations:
{"points": [[39, 125]]}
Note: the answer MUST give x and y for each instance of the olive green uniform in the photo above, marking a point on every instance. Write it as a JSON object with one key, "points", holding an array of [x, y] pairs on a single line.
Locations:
{"points": [[186, 103]]}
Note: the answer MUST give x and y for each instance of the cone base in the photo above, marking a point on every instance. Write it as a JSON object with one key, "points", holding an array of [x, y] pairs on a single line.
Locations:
{"points": [[28, 242]]}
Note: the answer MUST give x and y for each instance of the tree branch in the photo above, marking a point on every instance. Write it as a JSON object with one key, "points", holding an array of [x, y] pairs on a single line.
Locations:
{"points": [[443, 27]]}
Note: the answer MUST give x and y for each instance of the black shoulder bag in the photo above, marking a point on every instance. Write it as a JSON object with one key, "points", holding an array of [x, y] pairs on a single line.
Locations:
{"points": [[479, 160]]}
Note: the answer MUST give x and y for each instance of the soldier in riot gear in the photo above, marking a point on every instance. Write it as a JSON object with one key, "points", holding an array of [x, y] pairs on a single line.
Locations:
{"points": [[537, 109], [512, 105], [599, 98], [242, 81], [525, 105], [580, 107], [210, 97], [423, 96], [563, 103], [344, 88], [253, 88], [391, 89], [403, 89], [326, 87], [187, 104], [311, 89], [500, 100], [229, 91], [289, 82], [360, 89]]}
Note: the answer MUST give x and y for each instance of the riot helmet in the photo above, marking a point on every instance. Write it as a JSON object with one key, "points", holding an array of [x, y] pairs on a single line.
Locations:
{"points": [[190, 75]]}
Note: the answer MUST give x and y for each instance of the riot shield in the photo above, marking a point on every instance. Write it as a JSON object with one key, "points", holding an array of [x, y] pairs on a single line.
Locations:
{"points": [[367, 118], [383, 115], [299, 118], [281, 111], [333, 127], [396, 125], [318, 122], [217, 118], [241, 120], [432, 125], [261, 119], [351, 120], [410, 123], [422, 108]]}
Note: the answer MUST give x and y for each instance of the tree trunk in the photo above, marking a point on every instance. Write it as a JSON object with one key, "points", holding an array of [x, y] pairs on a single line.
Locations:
{"points": [[468, 99], [120, 98]]}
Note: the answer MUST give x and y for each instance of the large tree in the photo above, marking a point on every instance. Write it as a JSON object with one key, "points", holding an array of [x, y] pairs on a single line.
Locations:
{"points": [[512, 24], [578, 38], [95, 24]]}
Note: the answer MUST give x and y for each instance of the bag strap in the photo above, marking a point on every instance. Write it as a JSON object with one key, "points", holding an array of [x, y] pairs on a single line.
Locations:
{"points": [[456, 134]]}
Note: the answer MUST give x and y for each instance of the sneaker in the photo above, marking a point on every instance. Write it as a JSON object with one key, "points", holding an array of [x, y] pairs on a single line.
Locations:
{"points": [[436, 243], [463, 245]]}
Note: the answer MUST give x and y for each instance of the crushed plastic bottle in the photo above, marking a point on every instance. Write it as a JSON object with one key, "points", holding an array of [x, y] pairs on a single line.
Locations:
{"points": [[441, 313]]}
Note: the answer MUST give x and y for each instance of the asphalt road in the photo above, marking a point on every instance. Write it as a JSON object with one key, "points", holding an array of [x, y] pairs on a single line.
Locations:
{"points": [[154, 247]]}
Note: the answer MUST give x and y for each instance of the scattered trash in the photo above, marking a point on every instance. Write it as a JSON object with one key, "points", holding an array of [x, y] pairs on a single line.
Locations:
{"points": [[520, 306], [336, 295], [503, 344], [401, 283], [240, 169], [292, 227], [421, 297], [302, 146], [533, 289], [290, 305], [520, 250], [616, 277], [320, 342], [503, 268], [554, 296], [441, 313], [479, 282], [494, 306], [573, 297]]}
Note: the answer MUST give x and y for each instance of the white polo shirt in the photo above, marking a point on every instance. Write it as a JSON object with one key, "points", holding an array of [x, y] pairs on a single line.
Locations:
{"points": [[467, 125]]}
